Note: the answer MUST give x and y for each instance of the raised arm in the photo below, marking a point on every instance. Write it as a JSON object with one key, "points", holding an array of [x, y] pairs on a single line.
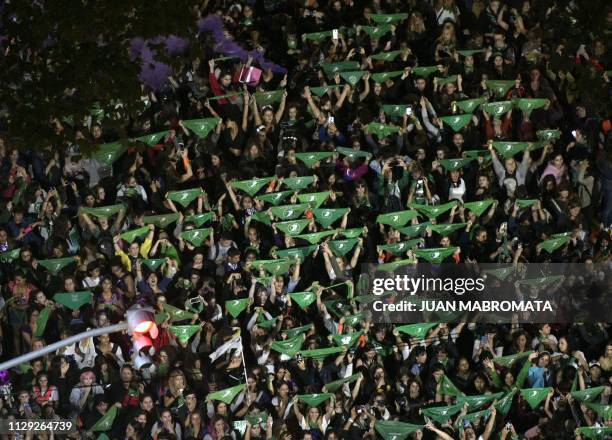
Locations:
{"points": [[281, 108]]}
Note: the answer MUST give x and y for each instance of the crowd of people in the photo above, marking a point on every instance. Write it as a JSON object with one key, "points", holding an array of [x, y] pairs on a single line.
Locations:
{"points": [[250, 197]]}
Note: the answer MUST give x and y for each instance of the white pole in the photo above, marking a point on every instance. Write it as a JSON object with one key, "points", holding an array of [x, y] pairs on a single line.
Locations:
{"points": [[246, 379], [63, 343]]}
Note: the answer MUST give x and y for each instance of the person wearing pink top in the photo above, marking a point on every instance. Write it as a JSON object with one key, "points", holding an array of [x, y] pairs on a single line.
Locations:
{"points": [[555, 168]]}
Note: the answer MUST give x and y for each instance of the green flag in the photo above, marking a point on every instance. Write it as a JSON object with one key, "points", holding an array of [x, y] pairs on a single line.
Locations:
{"points": [[236, 306], [236, 95], [504, 405], [476, 402], [541, 282], [553, 244], [418, 331], [386, 56], [292, 253], [548, 135], [470, 52], [41, 321], [388, 18], [424, 71], [376, 32], [226, 395], [524, 203], [510, 360], [262, 217], [201, 127], [315, 200], [473, 417], [161, 220], [299, 183], [605, 411], [414, 230], [501, 273], [394, 430], [500, 87], [441, 414], [9, 256], [436, 255], [334, 386], [313, 400], [485, 154], [186, 196], [184, 332], [595, 432], [55, 265], [256, 419], [381, 130], [293, 332], [354, 320], [275, 198], [534, 396], [320, 91], [353, 77], [289, 347], [152, 139], [313, 157], [347, 339], [326, 217], [153, 263], [109, 153], [134, 234], [273, 267], [251, 186], [321, 353], [395, 110], [588, 394], [105, 423], [292, 227], [196, 236], [446, 79], [102, 211], [289, 212], [343, 66], [303, 299], [434, 211], [457, 122], [401, 247], [448, 388], [199, 219], [497, 109], [527, 105], [381, 77], [177, 314], [509, 149], [352, 233], [480, 207], [74, 300], [447, 229], [317, 36], [470, 105], [396, 219], [455, 164], [342, 247], [394, 265], [352, 153], [315, 237], [266, 323], [268, 98]]}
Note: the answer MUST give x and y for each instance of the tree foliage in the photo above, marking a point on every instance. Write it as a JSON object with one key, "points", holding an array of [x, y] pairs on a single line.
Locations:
{"points": [[64, 58]]}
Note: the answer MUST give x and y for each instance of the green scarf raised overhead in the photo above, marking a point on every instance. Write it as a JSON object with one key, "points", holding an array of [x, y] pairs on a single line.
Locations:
{"points": [[548, 135], [252, 186], [457, 122], [292, 227], [186, 196], [109, 153], [315, 200], [509, 149], [273, 267], [470, 105], [381, 130], [394, 430], [299, 183], [396, 219], [476, 402], [177, 314], [534, 396], [236, 306], [289, 347], [196, 236], [152, 139], [342, 247], [334, 386], [388, 18], [268, 98], [352, 233], [162, 220], [321, 353], [434, 211], [414, 230], [553, 244], [199, 219], [441, 414], [510, 360], [386, 56], [102, 211], [589, 394], [480, 207], [105, 423], [312, 158], [497, 109], [289, 212], [352, 153], [418, 331], [527, 105], [448, 388], [41, 321], [347, 339], [227, 395], [315, 237], [201, 127], [500, 87], [424, 71], [134, 234], [55, 265], [303, 299], [447, 229], [400, 248], [313, 400], [297, 252], [74, 300], [184, 332], [436, 255], [326, 217], [353, 77], [381, 77], [275, 198]]}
